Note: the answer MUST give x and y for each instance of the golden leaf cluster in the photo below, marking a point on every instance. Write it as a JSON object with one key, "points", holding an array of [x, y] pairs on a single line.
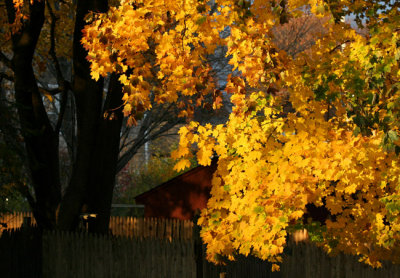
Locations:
{"points": [[329, 137]]}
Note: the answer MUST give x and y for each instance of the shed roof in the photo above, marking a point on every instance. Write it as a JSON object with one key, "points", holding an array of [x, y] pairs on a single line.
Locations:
{"points": [[173, 181]]}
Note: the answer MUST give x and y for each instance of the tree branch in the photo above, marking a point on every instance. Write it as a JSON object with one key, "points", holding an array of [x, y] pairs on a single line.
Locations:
{"points": [[60, 79], [124, 137], [339, 45], [141, 139]]}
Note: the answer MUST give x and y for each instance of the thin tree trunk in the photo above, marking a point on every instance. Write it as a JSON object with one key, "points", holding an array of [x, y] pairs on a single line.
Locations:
{"points": [[41, 142]]}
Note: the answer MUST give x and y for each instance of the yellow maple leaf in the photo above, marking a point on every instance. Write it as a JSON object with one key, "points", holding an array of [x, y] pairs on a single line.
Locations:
{"points": [[204, 156], [182, 165]]}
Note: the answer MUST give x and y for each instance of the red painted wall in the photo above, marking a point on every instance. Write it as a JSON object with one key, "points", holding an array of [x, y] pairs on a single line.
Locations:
{"points": [[180, 197]]}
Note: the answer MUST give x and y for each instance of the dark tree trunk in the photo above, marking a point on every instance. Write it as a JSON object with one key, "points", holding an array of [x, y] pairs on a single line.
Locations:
{"points": [[98, 129], [41, 141], [104, 165], [88, 98]]}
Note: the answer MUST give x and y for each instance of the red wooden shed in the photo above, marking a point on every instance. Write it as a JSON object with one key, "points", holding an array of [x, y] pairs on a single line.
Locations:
{"points": [[181, 196]]}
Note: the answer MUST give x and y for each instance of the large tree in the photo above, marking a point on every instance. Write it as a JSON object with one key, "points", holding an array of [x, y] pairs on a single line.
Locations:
{"points": [[337, 146], [335, 151]]}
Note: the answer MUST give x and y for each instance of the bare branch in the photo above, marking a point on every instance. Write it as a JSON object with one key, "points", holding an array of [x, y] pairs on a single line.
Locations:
{"points": [[150, 133], [124, 137], [124, 159], [339, 46]]}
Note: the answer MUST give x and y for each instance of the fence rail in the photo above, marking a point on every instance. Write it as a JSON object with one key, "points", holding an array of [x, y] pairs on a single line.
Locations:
{"points": [[123, 226]]}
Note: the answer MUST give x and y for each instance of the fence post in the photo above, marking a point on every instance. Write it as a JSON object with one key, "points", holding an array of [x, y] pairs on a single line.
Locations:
{"points": [[198, 246]]}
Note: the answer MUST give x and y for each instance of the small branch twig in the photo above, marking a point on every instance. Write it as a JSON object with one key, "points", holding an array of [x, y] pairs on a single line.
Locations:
{"points": [[338, 46]]}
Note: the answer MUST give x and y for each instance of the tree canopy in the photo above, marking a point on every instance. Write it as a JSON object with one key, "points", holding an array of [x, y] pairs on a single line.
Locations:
{"points": [[336, 146]]}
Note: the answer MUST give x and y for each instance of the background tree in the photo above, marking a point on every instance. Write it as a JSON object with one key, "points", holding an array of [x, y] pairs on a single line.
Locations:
{"points": [[298, 34], [12, 171]]}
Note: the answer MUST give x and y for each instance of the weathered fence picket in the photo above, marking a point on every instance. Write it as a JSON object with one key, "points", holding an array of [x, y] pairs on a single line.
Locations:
{"points": [[122, 226], [86, 255]]}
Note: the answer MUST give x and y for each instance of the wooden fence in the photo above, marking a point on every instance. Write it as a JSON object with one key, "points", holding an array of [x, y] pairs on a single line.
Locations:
{"points": [[21, 253], [151, 227], [83, 255], [64, 255], [15, 220], [123, 226], [308, 261], [29, 254]]}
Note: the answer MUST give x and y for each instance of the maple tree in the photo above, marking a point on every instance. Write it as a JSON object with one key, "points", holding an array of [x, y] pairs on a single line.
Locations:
{"points": [[336, 148]]}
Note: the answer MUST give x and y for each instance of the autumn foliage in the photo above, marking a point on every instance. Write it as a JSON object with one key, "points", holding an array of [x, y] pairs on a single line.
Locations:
{"points": [[336, 147]]}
